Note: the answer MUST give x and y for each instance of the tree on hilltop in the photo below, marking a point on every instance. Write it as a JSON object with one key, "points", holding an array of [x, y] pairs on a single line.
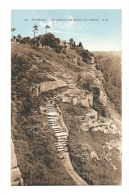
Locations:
{"points": [[80, 44], [72, 43], [71, 40], [26, 40], [46, 28], [35, 30], [19, 37], [50, 40], [13, 29], [33, 41], [14, 37]]}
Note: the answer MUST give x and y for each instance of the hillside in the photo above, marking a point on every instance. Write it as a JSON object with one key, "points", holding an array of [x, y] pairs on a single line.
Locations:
{"points": [[66, 123], [110, 65]]}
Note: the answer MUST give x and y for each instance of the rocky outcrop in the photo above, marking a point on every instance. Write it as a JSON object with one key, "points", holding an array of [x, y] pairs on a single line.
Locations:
{"points": [[92, 80], [103, 98], [91, 122], [16, 178], [46, 86], [94, 155], [88, 74], [73, 59], [116, 119], [90, 60], [85, 100]]}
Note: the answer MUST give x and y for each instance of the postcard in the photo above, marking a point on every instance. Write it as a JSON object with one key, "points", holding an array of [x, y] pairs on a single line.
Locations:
{"points": [[66, 97], [64, 81]]}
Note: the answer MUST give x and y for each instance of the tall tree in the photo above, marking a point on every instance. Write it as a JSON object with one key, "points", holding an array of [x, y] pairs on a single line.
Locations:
{"points": [[35, 30], [46, 28]]}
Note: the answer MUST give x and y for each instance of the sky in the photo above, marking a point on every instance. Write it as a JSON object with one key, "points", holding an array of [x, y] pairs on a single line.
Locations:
{"points": [[98, 30]]}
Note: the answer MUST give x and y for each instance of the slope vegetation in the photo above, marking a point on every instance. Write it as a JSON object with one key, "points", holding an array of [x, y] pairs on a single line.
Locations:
{"points": [[87, 102]]}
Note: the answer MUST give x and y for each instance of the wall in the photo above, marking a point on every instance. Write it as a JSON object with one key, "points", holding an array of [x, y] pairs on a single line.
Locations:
{"points": [[49, 85]]}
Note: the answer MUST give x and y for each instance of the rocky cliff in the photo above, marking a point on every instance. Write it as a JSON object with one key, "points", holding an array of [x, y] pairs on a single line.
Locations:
{"points": [[77, 85], [46, 86]]}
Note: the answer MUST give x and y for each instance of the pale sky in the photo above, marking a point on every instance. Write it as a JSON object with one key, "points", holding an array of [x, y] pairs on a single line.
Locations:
{"points": [[104, 34]]}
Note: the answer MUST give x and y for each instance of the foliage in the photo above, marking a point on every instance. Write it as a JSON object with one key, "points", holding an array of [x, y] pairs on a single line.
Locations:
{"points": [[80, 44], [50, 40], [84, 53], [71, 40], [35, 29]]}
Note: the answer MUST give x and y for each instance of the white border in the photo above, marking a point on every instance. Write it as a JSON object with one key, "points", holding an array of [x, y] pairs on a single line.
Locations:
{"points": [[5, 87]]}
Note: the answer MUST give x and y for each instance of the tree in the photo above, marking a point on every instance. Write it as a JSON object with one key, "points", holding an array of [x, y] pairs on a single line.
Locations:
{"points": [[19, 37], [14, 38], [13, 29], [80, 44], [26, 39], [48, 40], [71, 40], [72, 43], [46, 28], [35, 29], [34, 41]]}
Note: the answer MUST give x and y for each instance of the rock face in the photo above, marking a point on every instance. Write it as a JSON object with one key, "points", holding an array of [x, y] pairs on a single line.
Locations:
{"points": [[16, 178], [86, 100], [116, 119], [94, 155], [93, 82], [78, 97], [90, 60], [46, 86], [103, 98], [92, 122], [76, 60]]}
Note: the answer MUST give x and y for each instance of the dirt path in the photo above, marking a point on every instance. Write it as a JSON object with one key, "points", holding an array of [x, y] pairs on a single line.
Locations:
{"points": [[68, 166]]}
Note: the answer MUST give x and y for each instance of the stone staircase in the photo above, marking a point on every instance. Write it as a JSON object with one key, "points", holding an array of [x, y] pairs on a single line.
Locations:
{"points": [[53, 115]]}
